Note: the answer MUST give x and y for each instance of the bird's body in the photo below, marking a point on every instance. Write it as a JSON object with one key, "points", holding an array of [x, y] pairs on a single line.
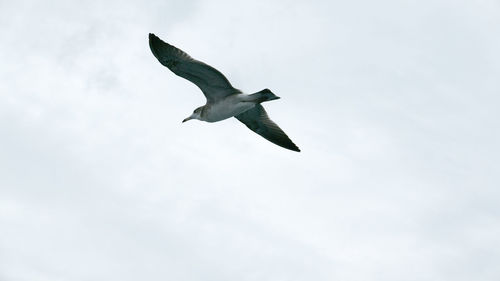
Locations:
{"points": [[233, 105], [226, 108], [223, 100]]}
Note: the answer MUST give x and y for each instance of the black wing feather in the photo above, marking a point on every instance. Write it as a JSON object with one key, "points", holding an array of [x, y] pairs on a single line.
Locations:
{"points": [[256, 119], [212, 83]]}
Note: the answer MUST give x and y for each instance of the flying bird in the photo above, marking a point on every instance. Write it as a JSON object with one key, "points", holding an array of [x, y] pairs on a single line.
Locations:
{"points": [[223, 100]]}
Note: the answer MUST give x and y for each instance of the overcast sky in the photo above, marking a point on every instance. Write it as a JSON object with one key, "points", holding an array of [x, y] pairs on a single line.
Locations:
{"points": [[394, 104]]}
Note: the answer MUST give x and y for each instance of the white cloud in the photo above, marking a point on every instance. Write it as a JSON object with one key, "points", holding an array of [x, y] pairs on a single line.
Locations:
{"points": [[393, 104]]}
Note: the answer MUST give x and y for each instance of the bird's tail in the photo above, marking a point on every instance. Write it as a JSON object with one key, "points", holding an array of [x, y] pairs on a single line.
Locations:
{"points": [[262, 96]]}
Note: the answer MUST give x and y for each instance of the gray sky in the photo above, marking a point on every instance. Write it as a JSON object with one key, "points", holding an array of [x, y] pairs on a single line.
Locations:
{"points": [[393, 103]]}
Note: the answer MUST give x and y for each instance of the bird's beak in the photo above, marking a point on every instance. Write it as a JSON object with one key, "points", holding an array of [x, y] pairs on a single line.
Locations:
{"points": [[189, 118]]}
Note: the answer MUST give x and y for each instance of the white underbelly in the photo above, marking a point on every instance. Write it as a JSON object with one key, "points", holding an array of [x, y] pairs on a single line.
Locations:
{"points": [[226, 109]]}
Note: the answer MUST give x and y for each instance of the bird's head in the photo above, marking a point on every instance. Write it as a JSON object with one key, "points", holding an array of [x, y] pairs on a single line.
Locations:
{"points": [[196, 114]]}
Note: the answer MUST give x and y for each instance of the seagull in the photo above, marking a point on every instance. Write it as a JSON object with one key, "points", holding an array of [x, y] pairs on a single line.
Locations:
{"points": [[223, 100]]}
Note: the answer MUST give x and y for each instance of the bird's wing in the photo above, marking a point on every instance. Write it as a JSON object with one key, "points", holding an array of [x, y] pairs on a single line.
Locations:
{"points": [[212, 83], [256, 119]]}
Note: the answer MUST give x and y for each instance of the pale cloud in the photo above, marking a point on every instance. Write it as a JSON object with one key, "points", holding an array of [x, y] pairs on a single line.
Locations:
{"points": [[394, 105]]}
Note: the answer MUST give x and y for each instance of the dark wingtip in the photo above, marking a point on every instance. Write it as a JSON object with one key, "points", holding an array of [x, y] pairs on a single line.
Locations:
{"points": [[153, 37], [289, 145], [154, 42]]}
